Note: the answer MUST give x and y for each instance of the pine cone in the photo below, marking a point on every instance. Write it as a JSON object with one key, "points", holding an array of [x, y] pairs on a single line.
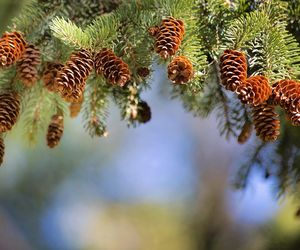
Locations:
{"points": [[2, 150], [180, 70], [284, 92], [55, 130], [233, 69], [294, 118], [255, 90], [71, 79], [9, 110], [144, 112], [27, 66], [168, 36], [12, 47], [293, 111], [75, 108], [143, 72], [266, 122], [113, 68], [245, 133], [50, 74]]}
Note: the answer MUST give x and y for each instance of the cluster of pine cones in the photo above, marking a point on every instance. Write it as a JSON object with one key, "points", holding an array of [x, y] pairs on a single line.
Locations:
{"points": [[168, 37], [258, 93], [67, 80]]}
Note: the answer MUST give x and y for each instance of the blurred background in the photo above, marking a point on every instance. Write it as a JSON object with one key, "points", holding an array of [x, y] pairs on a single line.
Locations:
{"points": [[166, 185]]}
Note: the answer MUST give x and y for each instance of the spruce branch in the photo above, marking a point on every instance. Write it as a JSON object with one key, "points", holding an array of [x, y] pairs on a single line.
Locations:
{"points": [[38, 105], [69, 33], [244, 29], [95, 106], [102, 31]]}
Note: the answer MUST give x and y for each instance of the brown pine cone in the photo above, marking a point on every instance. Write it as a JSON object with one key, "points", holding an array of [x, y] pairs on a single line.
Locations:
{"points": [[255, 90], [293, 111], [233, 69], [113, 68], [12, 47], [71, 79], [284, 92], [2, 150], [75, 108], [168, 36], [266, 122], [294, 118], [143, 72], [144, 112], [49, 75], [55, 130], [9, 110], [180, 70], [245, 133], [27, 65]]}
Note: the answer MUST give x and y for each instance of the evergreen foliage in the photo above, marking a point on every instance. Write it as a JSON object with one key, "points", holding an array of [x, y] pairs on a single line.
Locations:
{"points": [[267, 31]]}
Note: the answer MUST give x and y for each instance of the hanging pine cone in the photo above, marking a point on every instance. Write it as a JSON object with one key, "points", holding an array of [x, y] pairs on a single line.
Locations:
{"points": [[113, 68], [293, 111], [284, 92], [180, 70], [2, 150], [27, 65], [144, 112], [143, 72], [233, 69], [55, 130], [9, 110], [266, 122], [245, 133], [255, 90], [49, 75], [12, 47], [75, 108], [294, 118], [168, 36], [71, 79]]}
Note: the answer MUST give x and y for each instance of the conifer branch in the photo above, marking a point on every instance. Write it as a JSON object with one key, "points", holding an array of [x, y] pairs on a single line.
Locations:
{"points": [[95, 107], [244, 29], [102, 31], [69, 33]]}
